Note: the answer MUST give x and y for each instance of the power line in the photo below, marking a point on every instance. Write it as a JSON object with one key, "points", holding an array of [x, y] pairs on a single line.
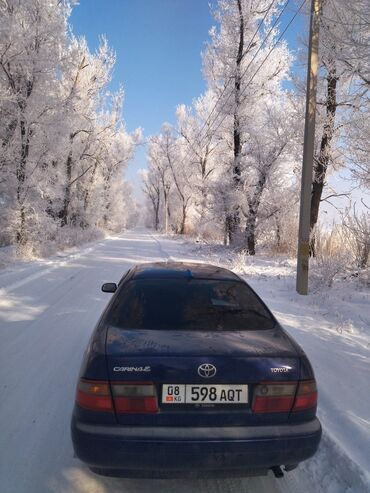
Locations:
{"points": [[249, 64], [264, 60], [231, 77], [277, 42]]}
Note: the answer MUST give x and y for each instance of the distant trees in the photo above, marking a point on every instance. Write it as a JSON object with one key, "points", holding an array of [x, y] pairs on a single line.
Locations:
{"points": [[197, 152], [167, 181], [240, 137], [238, 147], [62, 140]]}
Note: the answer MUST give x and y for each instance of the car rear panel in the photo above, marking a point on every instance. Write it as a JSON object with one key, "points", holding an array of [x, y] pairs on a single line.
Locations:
{"points": [[174, 357]]}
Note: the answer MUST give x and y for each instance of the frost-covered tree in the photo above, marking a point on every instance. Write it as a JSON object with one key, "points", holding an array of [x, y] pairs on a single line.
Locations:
{"points": [[160, 174], [32, 35], [235, 69], [240, 137], [353, 51], [63, 143], [269, 164], [85, 76], [198, 144], [342, 134], [357, 228], [168, 159]]}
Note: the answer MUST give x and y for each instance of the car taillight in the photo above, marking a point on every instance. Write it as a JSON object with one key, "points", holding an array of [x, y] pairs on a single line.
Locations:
{"points": [[274, 397], [306, 397], [135, 397], [94, 395], [284, 396]]}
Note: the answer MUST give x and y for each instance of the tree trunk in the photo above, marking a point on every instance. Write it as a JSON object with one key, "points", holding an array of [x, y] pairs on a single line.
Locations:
{"points": [[156, 211], [108, 204], [365, 250], [166, 210], [180, 194], [322, 162], [89, 187], [183, 220], [251, 234], [253, 206], [21, 236], [226, 232], [233, 220], [203, 202], [155, 198], [63, 215], [278, 236]]}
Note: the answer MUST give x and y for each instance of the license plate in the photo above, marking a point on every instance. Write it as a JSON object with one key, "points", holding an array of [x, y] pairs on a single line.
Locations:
{"points": [[204, 394]]}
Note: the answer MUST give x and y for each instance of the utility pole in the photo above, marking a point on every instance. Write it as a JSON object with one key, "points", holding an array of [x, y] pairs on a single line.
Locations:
{"points": [[308, 151], [166, 208]]}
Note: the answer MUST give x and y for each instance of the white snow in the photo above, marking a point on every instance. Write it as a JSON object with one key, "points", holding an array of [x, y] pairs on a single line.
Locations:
{"points": [[48, 310]]}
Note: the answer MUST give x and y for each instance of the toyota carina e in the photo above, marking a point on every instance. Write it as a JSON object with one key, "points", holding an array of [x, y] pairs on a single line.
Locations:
{"points": [[188, 373]]}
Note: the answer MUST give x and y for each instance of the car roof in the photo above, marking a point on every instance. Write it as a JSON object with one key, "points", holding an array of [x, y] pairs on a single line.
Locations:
{"points": [[181, 270]]}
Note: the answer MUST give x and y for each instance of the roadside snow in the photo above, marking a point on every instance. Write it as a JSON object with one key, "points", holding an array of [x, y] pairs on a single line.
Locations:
{"points": [[333, 327], [49, 308]]}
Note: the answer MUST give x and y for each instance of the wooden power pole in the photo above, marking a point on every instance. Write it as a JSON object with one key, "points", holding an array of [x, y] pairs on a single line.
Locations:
{"points": [[308, 151]]}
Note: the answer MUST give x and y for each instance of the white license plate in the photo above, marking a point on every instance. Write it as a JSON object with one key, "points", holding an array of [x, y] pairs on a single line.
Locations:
{"points": [[204, 394]]}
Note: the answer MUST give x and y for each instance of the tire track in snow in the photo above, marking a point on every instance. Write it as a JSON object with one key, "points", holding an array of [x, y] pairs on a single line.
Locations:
{"points": [[43, 272], [162, 251]]}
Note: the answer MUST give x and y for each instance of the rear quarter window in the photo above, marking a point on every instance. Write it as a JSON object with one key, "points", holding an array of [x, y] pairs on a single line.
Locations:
{"points": [[189, 304]]}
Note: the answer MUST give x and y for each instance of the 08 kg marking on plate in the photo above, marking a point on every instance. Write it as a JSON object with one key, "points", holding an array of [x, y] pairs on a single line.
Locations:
{"points": [[204, 394]]}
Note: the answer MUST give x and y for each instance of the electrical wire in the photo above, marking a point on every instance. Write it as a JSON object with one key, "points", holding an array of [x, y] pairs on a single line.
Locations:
{"points": [[260, 66], [231, 77]]}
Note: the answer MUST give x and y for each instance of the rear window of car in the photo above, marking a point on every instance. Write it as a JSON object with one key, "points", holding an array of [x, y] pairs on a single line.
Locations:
{"points": [[194, 304]]}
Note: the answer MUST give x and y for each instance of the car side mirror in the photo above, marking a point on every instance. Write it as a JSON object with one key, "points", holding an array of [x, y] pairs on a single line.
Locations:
{"points": [[109, 287]]}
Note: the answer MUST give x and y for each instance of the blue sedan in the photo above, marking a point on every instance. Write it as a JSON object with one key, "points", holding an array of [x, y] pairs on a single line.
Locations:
{"points": [[188, 374]]}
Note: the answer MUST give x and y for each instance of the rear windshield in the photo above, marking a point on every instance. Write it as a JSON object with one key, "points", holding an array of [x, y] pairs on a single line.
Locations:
{"points": [[194, 304]]}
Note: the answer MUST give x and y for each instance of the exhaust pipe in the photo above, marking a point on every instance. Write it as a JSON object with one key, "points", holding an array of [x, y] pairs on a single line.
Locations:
{"points": [[278, 472]]}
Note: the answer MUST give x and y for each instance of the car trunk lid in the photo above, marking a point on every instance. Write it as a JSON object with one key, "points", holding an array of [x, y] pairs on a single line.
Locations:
{"points": [[174, 357]]}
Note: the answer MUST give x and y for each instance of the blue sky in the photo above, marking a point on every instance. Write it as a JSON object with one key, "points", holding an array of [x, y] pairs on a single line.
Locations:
{"points": [[158, 44]]}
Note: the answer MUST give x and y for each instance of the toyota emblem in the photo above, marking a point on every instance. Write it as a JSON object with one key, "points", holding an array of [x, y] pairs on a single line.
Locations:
{"points": [[207, 370]]}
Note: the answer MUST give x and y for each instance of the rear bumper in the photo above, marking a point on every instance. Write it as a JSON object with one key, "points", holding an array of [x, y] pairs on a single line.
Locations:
{"points": [[139, 451]]}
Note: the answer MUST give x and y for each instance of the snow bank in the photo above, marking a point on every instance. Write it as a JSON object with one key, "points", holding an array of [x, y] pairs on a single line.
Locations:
{"points": [[333, 327]]}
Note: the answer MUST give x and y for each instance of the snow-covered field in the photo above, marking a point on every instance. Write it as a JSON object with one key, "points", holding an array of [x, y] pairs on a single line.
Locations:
{"points": [[48, 310]]}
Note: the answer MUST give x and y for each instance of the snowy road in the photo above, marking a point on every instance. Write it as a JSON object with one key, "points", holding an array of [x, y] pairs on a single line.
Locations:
{"points": [[47, 313]]}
